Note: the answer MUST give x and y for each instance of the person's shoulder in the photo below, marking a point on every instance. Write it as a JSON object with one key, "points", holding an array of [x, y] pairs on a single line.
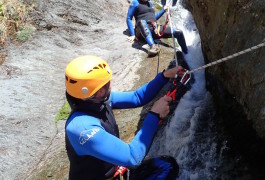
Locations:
{"points": [[78, 119], [82, 131], [151, 3], [134, 3]]}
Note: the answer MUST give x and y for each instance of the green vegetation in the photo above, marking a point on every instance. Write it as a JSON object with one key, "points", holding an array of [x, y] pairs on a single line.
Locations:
{"points": [[14, 20], [63, 113], [157, 6], [25, 33]]}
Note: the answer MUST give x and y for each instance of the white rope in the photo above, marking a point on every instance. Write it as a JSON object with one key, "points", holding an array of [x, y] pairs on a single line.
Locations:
{"points": [[228, 57], [171, 27]]}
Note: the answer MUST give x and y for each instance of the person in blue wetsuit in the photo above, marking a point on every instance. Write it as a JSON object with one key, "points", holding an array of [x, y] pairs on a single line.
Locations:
{"points": [[92, 136], [146, 27]]}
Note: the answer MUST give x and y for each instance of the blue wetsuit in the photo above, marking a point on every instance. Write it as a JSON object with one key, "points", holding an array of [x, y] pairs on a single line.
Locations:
{"points": [[89, 138], [148, 15], [144, 15]]}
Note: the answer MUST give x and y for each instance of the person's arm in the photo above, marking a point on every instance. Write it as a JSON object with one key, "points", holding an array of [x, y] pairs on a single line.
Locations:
{"points": [[140, 97], [160, 13], [133, 6], [144, 94], [88, 137]]}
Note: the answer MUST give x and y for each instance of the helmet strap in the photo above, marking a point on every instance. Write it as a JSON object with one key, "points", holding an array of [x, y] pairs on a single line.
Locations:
{"points": [[106, 96]]}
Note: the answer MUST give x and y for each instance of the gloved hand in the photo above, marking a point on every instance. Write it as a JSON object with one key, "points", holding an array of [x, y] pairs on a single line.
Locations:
{"points": [[166, 7], [171, 73], [161, 106], [180, 71]]}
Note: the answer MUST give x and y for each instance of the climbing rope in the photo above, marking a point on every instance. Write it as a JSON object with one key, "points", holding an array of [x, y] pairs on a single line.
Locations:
{"points": [[228, 57], [158, 58]]}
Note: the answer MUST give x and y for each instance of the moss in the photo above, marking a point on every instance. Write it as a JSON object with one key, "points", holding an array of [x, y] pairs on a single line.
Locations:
{"points": [[25, 33], [63, 113], [158, 6]]}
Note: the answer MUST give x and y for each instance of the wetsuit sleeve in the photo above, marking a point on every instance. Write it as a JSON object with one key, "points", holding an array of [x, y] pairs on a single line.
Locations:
{"points": [[159, 14], [140, 97], [88, 137], [133, 6]]}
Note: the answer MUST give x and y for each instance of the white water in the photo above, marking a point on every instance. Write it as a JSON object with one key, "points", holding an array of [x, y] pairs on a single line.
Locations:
{"points": [[189, 135]]}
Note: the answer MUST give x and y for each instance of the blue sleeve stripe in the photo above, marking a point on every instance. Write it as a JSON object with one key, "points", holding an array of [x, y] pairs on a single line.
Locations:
{"points": [[159, 14]]}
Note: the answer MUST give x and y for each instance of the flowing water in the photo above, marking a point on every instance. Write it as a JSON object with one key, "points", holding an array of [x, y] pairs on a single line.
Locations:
{"points": [[205, 144], [190, 134]]}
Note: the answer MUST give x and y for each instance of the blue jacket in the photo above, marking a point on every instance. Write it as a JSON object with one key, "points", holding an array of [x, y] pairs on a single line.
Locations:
{"points": [[135, 11]]}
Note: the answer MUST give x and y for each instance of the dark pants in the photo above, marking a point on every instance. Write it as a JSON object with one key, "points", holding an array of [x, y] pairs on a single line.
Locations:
{"points": [[178, 34], [162, 167]]}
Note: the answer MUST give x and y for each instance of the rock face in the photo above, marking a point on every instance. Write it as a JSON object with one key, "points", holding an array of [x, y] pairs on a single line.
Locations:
{"points": [[227, 27]]}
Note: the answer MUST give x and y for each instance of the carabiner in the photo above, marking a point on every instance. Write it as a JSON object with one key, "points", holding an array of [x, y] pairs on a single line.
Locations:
{"points": [[185, 78]]}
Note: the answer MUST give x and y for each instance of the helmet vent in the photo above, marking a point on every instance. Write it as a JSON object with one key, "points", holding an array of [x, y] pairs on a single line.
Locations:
{"points": [[95, 67], [73, 81], [104, 65], [100, 66], [89, 71], [66, 78]]}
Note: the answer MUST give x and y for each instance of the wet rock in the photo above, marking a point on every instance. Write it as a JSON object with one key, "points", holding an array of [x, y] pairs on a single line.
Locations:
{"points": [[227, 27]]}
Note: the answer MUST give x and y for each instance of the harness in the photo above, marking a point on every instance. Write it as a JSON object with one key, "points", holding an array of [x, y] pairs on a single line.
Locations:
{"points": [[178, 84], [120, 173], [178, 87], [157, 27]]}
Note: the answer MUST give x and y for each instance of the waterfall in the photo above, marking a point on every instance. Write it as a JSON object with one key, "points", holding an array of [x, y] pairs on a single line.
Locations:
{"points": [[189, 135]]}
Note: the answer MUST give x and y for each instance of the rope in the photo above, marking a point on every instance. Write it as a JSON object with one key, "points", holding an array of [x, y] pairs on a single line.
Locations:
{"points": [[171, 28], [228, 57], [158, 59], [173, 38]]}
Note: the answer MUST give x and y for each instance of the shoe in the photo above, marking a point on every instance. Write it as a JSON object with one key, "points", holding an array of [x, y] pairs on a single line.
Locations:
{"points": [[154, 50]]}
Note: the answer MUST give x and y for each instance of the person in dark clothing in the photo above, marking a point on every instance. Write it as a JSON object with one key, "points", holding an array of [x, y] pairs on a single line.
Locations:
{"points": [[146, 27], [92, 136]]}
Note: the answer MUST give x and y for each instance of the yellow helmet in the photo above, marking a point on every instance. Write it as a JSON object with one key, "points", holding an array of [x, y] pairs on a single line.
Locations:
{"points": [[85, 75]]}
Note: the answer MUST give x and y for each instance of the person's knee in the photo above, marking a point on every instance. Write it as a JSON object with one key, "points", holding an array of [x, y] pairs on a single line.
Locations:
{"points": [[174, 167], [145, 31], [178, 33], [142, 25], [171, 160]]}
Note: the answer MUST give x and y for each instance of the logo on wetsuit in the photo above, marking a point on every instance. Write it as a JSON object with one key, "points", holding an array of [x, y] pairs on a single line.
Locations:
{"points": [[87, 134]]}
